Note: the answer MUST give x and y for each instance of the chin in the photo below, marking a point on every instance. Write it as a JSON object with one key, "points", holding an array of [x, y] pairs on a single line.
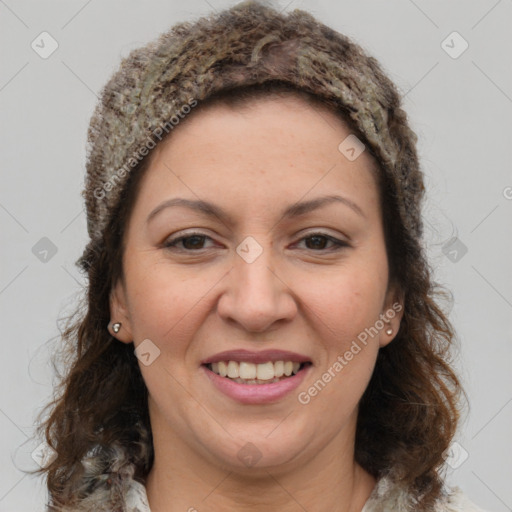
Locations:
{"points": [[258, 452]]}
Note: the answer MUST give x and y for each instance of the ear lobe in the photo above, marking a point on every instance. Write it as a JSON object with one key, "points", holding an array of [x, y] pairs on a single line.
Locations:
{"points": [[119, 314], [393, 313]]}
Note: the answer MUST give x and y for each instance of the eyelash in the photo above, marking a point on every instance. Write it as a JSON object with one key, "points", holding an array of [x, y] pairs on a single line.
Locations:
{"points": [[339, 244]]}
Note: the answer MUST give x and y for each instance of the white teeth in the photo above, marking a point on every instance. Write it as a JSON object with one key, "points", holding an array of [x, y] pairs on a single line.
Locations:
{"points": [[255, 381], [223, 369], [247, 370], [265, 371], [233, 372], [250, 373]]}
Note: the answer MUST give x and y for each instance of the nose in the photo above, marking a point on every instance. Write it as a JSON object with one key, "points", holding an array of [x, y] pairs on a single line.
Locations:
{"points": [[257, 295]]}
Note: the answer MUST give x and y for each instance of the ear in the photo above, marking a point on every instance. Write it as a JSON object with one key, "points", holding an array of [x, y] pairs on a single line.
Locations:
{"points": [[119, 313], [392, 314]]}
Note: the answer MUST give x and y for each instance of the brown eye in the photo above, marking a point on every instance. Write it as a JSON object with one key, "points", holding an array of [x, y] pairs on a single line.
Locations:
{"points": [[318, 242], [191, 242]]}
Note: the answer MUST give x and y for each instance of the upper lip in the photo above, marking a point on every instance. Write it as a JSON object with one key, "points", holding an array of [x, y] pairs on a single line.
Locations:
{"points": [[262, 356]]}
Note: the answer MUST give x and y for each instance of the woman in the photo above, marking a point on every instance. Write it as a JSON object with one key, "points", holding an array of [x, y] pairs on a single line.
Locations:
{"points": [[261, 328]]}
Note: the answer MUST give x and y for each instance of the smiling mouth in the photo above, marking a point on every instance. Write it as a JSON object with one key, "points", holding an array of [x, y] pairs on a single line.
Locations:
{"points": [[249, 373]]}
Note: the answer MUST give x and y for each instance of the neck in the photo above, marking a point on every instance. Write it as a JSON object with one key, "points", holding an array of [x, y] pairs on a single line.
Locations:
{"points": [[181, 479]]}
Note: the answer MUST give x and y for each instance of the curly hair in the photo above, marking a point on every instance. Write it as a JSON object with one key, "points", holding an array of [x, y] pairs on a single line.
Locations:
{"points": [[409, 412]]}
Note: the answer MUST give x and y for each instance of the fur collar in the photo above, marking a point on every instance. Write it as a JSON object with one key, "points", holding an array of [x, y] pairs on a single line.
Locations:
{"points": [[124, 494], [392, 497], [108, 485], [386, 497]]}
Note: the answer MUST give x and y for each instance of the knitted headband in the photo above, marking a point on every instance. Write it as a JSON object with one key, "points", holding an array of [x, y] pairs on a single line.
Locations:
{"points": [[159, 84]]}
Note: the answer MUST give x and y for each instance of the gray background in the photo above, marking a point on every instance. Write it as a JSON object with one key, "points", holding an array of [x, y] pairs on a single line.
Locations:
{"points": [[459, 107]]}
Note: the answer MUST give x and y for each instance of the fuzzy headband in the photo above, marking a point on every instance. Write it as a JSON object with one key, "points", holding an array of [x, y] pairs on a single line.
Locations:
{"points": [[160, 83]]}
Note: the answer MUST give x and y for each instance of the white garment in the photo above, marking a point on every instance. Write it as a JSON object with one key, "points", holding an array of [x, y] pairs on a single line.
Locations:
{"points": [[384, 498], [136, 498]]}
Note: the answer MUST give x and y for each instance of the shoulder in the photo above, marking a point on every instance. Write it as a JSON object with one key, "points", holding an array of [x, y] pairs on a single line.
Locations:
{"points": [[458, 501], [388, 496], [136, 498]]}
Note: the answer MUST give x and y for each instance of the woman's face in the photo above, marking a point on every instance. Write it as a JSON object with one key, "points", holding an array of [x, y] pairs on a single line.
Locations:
{"points": [[267, 264]]}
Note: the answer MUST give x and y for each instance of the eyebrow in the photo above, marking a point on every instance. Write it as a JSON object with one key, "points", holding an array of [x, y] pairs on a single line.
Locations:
{"points": [[294, 210]]}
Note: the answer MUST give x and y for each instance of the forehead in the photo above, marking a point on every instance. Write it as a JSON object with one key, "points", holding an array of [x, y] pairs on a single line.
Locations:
{"points": [[280, 149]]}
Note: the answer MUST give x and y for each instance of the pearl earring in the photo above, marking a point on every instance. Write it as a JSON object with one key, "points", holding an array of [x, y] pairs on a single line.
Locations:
{"points": [[116, 327], [389, 331]]}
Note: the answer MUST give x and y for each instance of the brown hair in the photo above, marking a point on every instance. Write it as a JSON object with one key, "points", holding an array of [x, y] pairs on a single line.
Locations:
{"points": [[407, 415]]}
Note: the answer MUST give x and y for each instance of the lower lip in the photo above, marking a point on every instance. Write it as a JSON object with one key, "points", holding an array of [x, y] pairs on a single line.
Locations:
{"points": [[257, 393]]}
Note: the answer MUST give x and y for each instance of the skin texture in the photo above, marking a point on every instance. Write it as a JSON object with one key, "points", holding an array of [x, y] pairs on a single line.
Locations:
{"points": [[200, 297]]}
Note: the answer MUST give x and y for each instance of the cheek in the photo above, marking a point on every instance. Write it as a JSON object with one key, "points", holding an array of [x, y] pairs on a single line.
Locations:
{"points": [[343, 308], [167, 304], [346, 300], [157, 297]]}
